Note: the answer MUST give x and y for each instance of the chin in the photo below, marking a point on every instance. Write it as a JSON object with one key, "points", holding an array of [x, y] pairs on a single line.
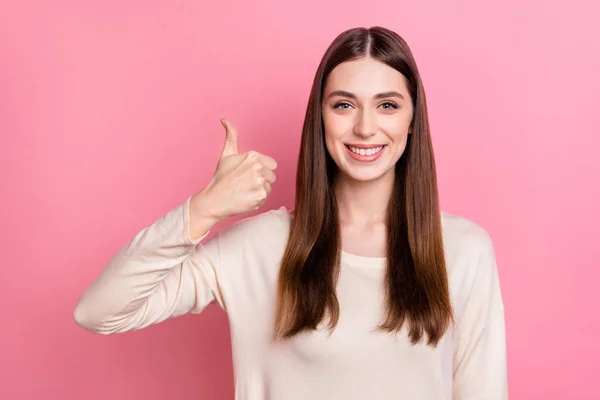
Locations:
{"points": [[363, 176]]}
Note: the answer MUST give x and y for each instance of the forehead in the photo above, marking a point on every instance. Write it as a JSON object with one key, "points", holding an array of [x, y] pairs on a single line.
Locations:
{"points": [[365, 76]]}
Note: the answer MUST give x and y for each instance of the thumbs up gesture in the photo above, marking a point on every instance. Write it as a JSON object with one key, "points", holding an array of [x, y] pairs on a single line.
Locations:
{"points": [[240, 184]]}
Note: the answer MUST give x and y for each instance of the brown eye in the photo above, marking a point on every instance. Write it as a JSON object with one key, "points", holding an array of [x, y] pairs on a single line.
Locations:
{"points": [[391, 106], [342, 104]]}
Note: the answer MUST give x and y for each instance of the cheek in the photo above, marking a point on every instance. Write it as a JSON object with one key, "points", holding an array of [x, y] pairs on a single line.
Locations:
{"points": [[328, 135], [334, 129], [331, 144], [397, 127], [399, 134]]}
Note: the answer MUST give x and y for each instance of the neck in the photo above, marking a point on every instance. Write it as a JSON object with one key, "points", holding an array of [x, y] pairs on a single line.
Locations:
{"points": [[363, 202]]}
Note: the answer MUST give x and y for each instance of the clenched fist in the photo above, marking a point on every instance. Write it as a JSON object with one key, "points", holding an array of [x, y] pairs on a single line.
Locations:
{"points": [[240, 184]]}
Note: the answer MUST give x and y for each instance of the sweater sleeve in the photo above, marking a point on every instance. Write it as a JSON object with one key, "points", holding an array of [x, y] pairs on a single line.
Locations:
{"points": [[480, 370], [160, 273]]}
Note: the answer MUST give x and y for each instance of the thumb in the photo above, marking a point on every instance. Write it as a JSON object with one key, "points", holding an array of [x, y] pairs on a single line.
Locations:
{"points": [[231, 136]]}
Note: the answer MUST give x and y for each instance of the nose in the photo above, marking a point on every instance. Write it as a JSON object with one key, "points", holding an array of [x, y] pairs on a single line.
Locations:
{"points": [[366, 124]]}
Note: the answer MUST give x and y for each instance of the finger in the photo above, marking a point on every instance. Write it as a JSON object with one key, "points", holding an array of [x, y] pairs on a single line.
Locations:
{"points": [[268, 162], [267, 174], [259, 205], [231, 137], [267, 186]]}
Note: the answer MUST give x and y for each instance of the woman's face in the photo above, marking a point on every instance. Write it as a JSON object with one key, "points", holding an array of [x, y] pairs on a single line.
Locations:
{"points": [[367, 113]]}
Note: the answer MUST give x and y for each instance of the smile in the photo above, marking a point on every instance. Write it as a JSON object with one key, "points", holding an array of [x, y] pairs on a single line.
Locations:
{"points": [[365, 154]]}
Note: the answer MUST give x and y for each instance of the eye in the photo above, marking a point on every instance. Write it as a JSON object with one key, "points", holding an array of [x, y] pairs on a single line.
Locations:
{"points": [[391, 105], [342, 104]]}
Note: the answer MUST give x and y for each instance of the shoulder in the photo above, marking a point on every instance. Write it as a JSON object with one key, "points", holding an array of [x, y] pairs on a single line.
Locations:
{"points": [[268, 228], [472, 270], [464, 238], [470, 259]]}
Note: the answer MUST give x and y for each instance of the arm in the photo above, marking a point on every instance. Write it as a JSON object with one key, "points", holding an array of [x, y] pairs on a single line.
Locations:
{"points": [[163, 272], [480, 371]]}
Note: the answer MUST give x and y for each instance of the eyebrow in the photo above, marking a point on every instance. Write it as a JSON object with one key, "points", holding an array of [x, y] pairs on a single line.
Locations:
{"points": [[383, 95]]}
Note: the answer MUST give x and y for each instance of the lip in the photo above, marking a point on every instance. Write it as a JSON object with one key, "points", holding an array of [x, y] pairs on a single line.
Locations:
{"points": [[365, 158], [364, 146]]}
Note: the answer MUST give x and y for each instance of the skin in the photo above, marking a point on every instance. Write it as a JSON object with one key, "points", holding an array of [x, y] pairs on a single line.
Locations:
{"points": [[363, 189]]}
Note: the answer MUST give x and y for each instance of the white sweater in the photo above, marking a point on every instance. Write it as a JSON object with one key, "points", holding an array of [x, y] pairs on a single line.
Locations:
{"points": [[162, 273]]}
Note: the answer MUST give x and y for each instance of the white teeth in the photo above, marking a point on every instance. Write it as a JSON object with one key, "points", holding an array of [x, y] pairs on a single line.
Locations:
{"points": [[367, 152]]}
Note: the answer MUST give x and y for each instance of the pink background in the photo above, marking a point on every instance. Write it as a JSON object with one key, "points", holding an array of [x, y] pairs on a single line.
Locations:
{"points": [[109, 117]]}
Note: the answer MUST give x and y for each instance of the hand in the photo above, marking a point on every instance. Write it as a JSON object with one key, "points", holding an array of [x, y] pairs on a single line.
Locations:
{"points": [[240, 184]]}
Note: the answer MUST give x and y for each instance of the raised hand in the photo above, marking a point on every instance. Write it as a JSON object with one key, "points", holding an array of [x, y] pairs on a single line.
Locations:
{"points": [[240, 184]]}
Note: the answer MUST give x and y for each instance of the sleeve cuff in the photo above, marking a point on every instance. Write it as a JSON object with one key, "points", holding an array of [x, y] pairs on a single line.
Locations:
{"points": [[187, 224]]}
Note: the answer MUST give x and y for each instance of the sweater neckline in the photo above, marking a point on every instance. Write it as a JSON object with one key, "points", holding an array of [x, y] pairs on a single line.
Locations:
{"points": [[362, 261], [370, 262]]}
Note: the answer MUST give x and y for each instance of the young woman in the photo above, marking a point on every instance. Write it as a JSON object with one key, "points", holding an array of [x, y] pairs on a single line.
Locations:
{"points": [[366, 290]]}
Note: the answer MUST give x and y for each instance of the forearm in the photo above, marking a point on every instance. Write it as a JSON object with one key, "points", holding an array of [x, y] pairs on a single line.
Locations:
{"points": [[132, 276]]}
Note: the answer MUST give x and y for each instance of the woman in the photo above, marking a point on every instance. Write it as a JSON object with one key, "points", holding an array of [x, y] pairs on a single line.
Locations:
{"points": [[365, 289]]}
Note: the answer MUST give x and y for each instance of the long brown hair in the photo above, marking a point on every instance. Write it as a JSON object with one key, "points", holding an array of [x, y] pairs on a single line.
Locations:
{"points": [[416, 283]]}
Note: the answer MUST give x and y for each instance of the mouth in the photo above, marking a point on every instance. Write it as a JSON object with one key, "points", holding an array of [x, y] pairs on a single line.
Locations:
{"points": [[365, 153]]}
